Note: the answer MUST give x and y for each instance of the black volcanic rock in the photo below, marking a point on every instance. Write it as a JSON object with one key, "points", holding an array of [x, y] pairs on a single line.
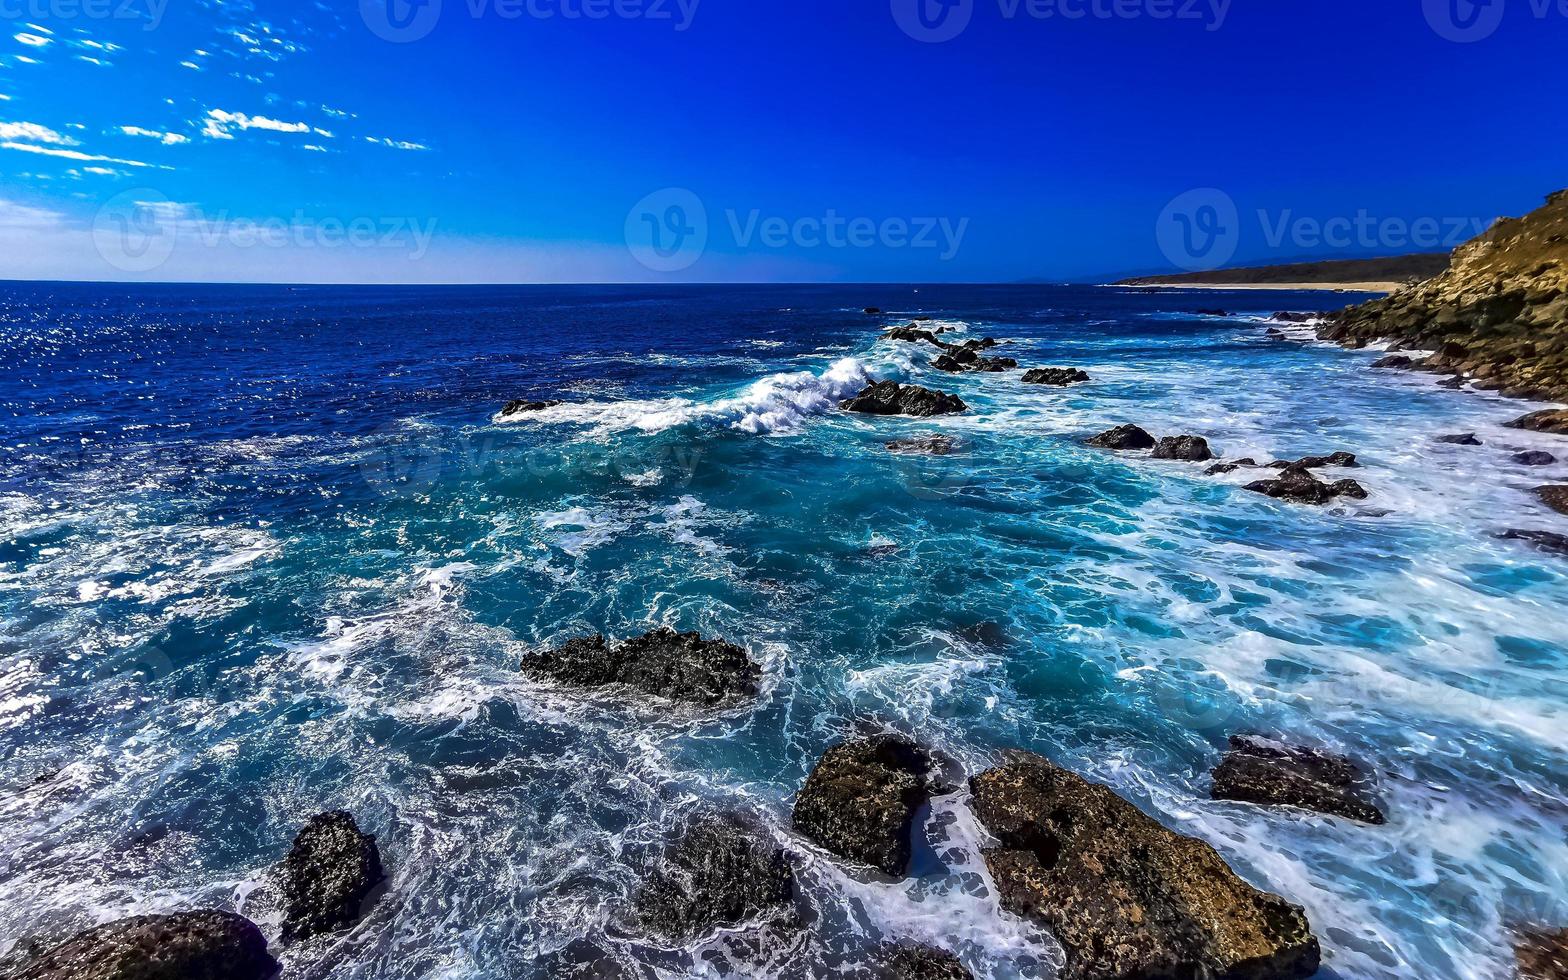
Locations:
{"points": [[1461, 439], [1555, 497], [1126, 897], [860, 800], [1231, 467], [678, 666], [326, 877], [185, 946], [1269, 773], [872, 311], [520, 406], [914, 335], [908, 961], [1534, 458], [930, 445], [968, 359], [1347, 460], [892, 398], [1055, 376], [1297, 485], [1287, 317], [1212, 312], [1192, 449], [720, 871], [1547, 541], [1123, 437]]}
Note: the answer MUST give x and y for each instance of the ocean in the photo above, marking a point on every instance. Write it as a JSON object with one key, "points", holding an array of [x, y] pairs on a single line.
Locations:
{"points": [[268, 551]]}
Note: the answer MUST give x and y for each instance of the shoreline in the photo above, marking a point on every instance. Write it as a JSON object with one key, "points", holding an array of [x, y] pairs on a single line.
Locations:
{"points": [[1337, 287]]}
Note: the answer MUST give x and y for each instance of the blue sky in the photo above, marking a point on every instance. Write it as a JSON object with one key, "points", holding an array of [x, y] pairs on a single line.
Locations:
{"points": [[731, 140]]}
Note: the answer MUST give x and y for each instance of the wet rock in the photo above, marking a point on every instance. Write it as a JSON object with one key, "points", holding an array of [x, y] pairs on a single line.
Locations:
{"points": [[1126, 897], [930, 445], [860, 800], [1548, 541], [1394, 362], [678, 666], [1534, 458], [583, 959], [186, 946], [1347, 460], [1123, 437], [892, 398], [968, 359], [914, 335], [1543, 955], [1276, 333], [1297, 317], [327, 875], [1551, 421], [1192, 449], [909, 961], [1461, 439], [872, 311], [1555, 497], [1297, 485], [1269, 773], [520, 406], [720, 871], [1055, 376], [1212, 312], [1231, 467]]}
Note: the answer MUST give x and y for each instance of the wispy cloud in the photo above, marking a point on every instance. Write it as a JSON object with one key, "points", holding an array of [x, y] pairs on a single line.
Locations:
{"points": [[219, 124], [34, 40], [167, 139], [77, 155], [34, 133], [396, 144]]}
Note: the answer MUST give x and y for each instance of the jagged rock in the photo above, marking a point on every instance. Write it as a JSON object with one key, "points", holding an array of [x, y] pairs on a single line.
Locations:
{"points": [[1454, 383], [1551, 421], [1269, 773], [914, 335], [1297, 317], [1347, 460], [1548, 541], [860, 800], [1534, 458], [1231, 467], [720, 871], [1498, 314], [185, 946], [1193, 449], [328, 874], [892, 398], [1543, 955], [1123, 437], [1276, 333], [1461, 439], [678, 666], [1394, 361], [931, 445], [583, 959], [1055, 376], [1297, 485], [1126, 897], [966, 359], [1555, 497], [909, 961], [520, 406]]}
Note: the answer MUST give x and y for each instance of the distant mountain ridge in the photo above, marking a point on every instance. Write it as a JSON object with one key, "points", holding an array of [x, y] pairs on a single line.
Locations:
{"points": [[1399, 268]]}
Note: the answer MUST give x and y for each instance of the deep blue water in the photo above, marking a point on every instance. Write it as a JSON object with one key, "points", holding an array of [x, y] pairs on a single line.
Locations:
{"points": [[267, 551]]}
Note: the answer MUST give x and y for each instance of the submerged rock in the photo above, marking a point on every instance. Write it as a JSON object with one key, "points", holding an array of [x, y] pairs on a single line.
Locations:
{"points": [[1126, 897], [1548, 541], [1299, 486], [872, 311], [1555, 497], [1212, 312], [520, 406], [860, 800], [1543, 955], [931, 445], [1534, 458], [1269, 773], [1055, 376], [721, 871], [1347, 460], [909, 961], [185, 946], [1231, 467], [664, 663], [1193, 449], [1552, 421], [892, 398], [1461, 439], [1394, 361], [1123, 437], [328, 874]]}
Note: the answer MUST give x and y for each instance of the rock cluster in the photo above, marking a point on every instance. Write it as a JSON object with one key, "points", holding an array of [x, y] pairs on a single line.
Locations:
{"points": [[663, 663], [1055, 376], [1266, 772], [1298, 485], [860, 800], [892, 398], [1123, 437], [1131, 437], [521, 405]]}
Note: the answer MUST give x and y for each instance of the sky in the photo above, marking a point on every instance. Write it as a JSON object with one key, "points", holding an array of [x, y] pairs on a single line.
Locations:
{"points": [[736, 140]]}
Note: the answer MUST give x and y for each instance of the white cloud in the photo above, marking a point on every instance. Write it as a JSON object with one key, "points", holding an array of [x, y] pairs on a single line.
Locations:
{"points": [[167, 139], [337, 113], [313, 146], [13, 215], [4, 97], [92, 61], [24, 59], [34, 133], [33, 40], [190, 64], [395, 144], [77, 155], [103, 171], [218, 124]]}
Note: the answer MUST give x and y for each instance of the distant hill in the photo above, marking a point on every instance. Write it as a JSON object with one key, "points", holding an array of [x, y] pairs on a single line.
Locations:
{"points": [[1398, 268]]}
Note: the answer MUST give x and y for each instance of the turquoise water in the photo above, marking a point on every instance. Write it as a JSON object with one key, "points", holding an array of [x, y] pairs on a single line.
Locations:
{"points": [[265, 552]]}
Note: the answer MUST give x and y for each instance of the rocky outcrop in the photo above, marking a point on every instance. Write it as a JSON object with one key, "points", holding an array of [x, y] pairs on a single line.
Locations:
{"points": [[1055, 376], [329, 872], [1126, 897], [521, 406], [1346, 460], [1297, 485], [909, 961], [872, 311], [914, 335], [1543, 955], [1551, 421], [663, 663], [1533, 457], [1192, 449], [860, 800], [1499, 315], [960, 359], [185, 946], [1288, 317], [1269, 773], [1461, 439], [931, 445], [1555, 497], [892, 398], [1123, 437], [1394, 362], [1548, 541], [1220, 468], [720, 871]]}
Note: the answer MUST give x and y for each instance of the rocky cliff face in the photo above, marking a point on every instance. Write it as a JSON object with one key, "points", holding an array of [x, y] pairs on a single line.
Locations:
{"points": [[1498, 316]]}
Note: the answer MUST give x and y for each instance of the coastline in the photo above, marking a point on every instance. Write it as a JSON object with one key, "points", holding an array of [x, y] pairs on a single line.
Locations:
{"points": [[1295, 287]]}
